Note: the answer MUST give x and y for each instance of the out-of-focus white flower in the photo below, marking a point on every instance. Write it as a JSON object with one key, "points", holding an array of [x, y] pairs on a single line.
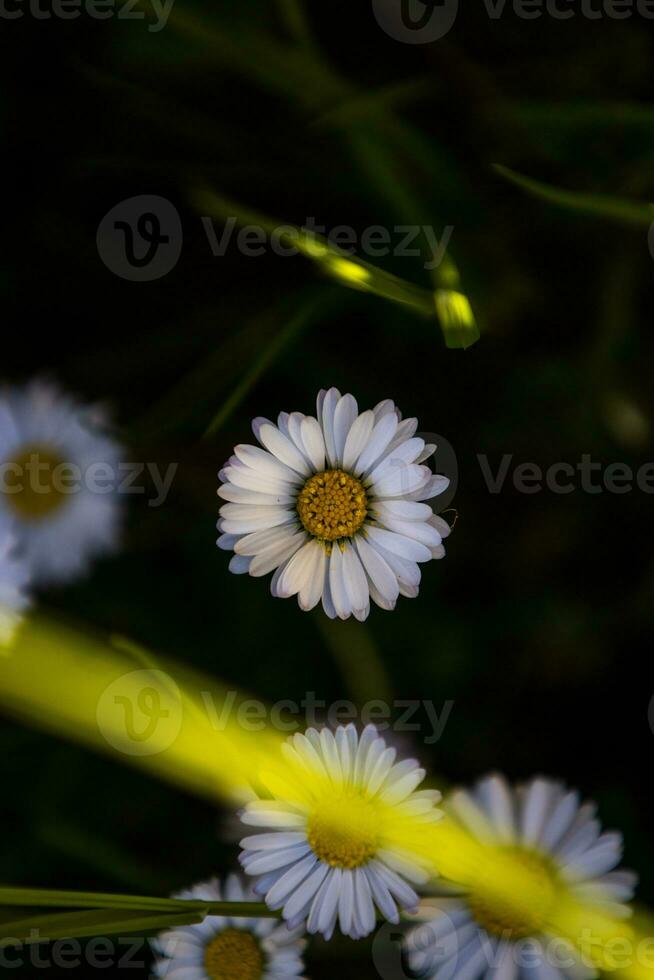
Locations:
{"points": [[503, 930], [14, 579], [229, 948], [52, 454]]}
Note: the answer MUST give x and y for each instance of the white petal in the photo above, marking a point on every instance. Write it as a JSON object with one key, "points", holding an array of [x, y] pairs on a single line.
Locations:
{"points": [[289, 881], [238, 495], [402, 480], [298, 573], [329, 403], [253, 544], [357, 438], [397, 544], [339, 593], [378, 570], [402, 510], [276, 555], [311, 592], [407, 452], [283, 448], [433, 487], [380, 438], [239, 565], [314, 443], [354, 578], [416, 530], [346, 902]]}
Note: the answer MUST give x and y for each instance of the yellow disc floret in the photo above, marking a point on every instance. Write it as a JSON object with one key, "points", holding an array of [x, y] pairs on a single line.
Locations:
{"points": [[516, 905], [332, 505], [234, 955], [343, 832], [34, 482]]}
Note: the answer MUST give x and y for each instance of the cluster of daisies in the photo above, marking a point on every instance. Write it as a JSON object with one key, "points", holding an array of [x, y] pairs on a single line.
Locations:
{"points": [[335, 505], [325, 858], [52, 524]]}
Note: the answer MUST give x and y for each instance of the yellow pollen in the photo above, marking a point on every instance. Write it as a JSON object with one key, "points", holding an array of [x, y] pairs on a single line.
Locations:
{"points": [[234, 955], [33, 483], [343, 832], [332, 505], [518, 907]]}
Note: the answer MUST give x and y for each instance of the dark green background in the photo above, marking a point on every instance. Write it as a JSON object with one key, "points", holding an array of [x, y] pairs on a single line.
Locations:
{"points": [[538, 623]]}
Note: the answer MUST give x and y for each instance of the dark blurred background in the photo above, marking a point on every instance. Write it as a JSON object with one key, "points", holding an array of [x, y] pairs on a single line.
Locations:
{"points": [[538, 622]]}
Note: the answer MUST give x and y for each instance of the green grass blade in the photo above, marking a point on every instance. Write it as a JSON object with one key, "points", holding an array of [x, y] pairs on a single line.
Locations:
{"points": [[311, 311], [98, 922], [628, 212], [347, 270], [53, 898]]}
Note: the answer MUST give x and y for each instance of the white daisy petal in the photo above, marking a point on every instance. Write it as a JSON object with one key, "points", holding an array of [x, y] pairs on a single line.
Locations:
{"points": [[240, 565], [345, 415], [340, 597], [354, 578], [314, 442], [402, 480], [357, 438], [312, 590], [283, 448], [346, 902], [269, 466], [406, 452], [416, 530], [378, 570], [326, 416], [297, 574], [402, 510], [434, 486], [379, 441], [398, 544]]}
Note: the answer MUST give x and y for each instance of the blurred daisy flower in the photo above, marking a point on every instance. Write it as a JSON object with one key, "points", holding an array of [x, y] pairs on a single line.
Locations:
{"points": [[345, 828], [14, 578], [222, 948], [548, 862], [334, 506], [56, 464]]}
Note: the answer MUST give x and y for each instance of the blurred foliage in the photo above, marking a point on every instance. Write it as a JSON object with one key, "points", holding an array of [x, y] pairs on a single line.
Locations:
{"points": [[538, 623]]}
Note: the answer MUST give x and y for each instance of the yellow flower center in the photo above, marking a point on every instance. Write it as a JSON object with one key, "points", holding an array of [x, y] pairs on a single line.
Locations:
{"points": [[234, 955], [344, 832], [515, 905], [33, 484], [332, 505]]}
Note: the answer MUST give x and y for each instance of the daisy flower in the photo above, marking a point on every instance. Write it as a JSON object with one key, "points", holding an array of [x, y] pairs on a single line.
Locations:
{"points": [[14, 578], [555, 858], [333, 505], [50, 453], [228, 948], [344, 831]]}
